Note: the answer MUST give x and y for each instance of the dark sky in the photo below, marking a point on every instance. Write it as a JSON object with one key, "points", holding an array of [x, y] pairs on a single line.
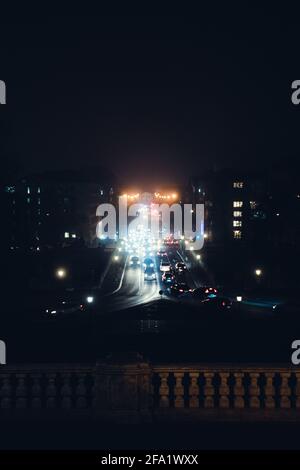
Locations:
{"points": [[153, 98]]}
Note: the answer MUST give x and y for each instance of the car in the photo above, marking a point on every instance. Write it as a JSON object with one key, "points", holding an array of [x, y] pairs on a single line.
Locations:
{"points": [[168, 278], [134, 261], [204, 292], [180, 266], [165, 265], [149, 274], [64, 307], [180, 288], [148, 262], [162, 252], [170, 241], [216, 303]]}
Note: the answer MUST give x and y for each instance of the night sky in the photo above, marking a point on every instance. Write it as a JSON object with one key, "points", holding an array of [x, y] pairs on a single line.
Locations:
{"points": [[154, 99]]}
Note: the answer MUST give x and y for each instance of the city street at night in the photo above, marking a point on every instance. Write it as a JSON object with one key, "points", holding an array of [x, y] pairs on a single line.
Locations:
{"points": [[150, 203]]}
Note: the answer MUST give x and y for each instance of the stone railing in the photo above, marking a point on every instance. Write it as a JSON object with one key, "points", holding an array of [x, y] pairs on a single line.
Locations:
{"points": [[227, 392], [139, 391]]}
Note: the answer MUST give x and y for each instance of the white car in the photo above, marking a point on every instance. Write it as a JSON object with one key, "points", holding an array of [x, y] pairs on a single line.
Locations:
{"points": [[165, 266]]}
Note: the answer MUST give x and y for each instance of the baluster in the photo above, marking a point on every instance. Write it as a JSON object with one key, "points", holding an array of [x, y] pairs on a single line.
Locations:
{"points": [[224, 390], [285, 390], [36, 391], [239, 390], [209, 390], [297, 389], [80, 391], [51, 391], [164, 390], [269, 390], [194, 390], [66, 392], [6, 392], [21, 391], [254, 391], [179, 390]]}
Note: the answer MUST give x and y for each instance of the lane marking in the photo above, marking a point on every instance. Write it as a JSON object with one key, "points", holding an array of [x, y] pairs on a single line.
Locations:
{"points": [[121, 281]]}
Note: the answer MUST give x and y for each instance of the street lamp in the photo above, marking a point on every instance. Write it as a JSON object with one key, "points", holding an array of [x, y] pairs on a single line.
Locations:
{"points": [[61, 273], [90, 299], [258, 272]]}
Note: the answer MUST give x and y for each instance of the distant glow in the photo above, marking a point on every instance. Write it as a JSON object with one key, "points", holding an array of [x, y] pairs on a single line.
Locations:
{"points": [[258, 272], [61, 273], [205, 235], [90, 299], [67, 235], [73, 235], [239, 298], [198, 257], [237, 203], [116, 257]]}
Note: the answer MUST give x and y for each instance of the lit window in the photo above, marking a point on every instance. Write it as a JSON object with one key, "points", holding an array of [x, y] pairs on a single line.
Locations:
{"points": [[39, 201], [253, 204], [39, 190], [237, 203], [238, 184], [199, 190], [10, 189], [67, 235], [237, 234], [237, 223], [237, 214], [28, 200], [73, 235], [28, 190], [101, 192]]}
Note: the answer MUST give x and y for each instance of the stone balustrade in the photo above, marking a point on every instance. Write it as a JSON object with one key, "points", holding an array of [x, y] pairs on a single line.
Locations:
{"points": [[138, 390], [226, 387]]}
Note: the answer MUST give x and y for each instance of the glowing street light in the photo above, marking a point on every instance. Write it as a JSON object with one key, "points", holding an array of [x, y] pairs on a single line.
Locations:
{"points": [[198, 257], [116, 257], [61, 273], [258, 272], [90, 299], [239, 298]]}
